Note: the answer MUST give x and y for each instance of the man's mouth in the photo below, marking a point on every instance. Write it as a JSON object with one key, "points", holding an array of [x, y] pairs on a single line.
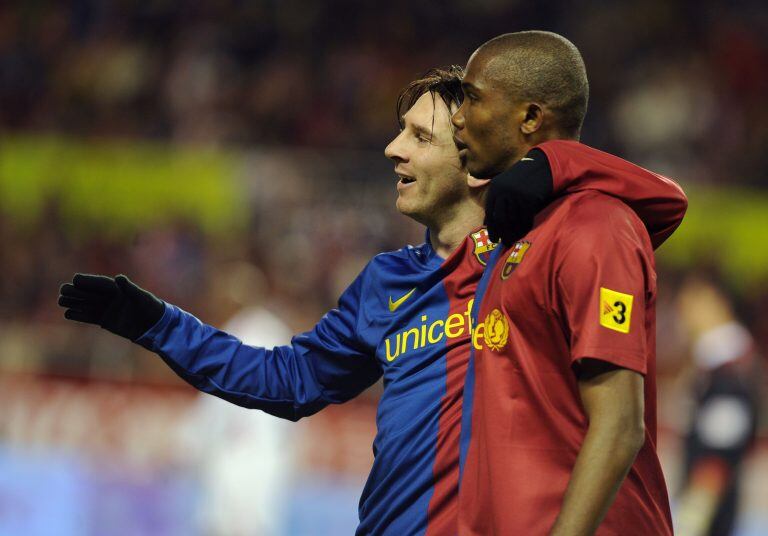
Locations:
{"points": [[403, 177], [460, 145], [405, 182]]}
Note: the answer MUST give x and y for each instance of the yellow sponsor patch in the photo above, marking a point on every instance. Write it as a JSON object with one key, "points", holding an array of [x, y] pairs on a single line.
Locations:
{"points": [[615, 310]]}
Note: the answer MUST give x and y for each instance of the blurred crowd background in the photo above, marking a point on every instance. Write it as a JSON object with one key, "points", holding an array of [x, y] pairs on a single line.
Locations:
{"points": [[228, 156]]}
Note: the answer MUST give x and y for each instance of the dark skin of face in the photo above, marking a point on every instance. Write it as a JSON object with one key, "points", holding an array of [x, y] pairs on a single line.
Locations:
{"points": [[494, 129]]}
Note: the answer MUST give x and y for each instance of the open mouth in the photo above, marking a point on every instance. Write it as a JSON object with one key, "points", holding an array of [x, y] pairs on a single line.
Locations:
{"points": [[406, 180]]}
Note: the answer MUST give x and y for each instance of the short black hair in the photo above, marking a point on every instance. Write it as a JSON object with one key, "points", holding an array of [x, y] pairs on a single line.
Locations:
{"points": [[542, 67], [440, 81]]}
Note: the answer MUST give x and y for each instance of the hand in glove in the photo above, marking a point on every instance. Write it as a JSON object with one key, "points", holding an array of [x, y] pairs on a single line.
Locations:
{"points": [[117, 305], [516, 196]]}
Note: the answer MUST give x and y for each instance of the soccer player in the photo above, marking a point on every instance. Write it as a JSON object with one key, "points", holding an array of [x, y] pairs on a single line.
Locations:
{"points": [[559, 434], [726, 391], [406, 317]]}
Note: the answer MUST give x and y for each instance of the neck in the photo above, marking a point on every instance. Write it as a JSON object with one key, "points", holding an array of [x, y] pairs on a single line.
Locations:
{"points": [[453, 227]]}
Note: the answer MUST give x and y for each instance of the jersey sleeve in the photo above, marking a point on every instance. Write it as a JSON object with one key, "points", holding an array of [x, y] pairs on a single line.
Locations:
{"points": [[327, 365], [658, 201], [604, 279]]}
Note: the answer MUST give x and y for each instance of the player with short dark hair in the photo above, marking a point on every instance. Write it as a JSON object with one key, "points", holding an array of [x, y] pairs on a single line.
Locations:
{"points": [[560, 402], [528, 74], [542, 67], [405, 318]]}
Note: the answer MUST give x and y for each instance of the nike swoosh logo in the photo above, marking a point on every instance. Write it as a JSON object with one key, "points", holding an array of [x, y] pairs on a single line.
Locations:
{"points": [[393, 305]]}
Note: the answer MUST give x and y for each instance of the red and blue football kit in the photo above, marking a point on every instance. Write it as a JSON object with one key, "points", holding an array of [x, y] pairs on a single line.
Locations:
{"points": [[581, 284], [406, 317]]}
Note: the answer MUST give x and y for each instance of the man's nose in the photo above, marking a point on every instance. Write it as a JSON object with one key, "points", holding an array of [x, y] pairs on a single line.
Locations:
{"points": [[394, 150]]}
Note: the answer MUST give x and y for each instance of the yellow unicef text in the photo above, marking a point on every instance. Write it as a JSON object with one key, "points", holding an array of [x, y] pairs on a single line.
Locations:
{"points": [[433, 332]]}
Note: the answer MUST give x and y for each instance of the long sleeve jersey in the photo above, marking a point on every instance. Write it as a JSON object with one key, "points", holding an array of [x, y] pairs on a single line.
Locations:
{"points": [[406, 318]]}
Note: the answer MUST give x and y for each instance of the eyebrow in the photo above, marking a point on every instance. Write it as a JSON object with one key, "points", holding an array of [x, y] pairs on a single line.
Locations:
{"points": [[422, 130]]}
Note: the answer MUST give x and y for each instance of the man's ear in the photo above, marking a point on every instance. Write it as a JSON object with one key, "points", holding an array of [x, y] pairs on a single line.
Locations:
{"points": [[476, 183], [534, 118]]}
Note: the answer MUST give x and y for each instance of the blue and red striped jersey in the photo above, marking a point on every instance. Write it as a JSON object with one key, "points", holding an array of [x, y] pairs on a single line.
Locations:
{"points": [[407, 318]]}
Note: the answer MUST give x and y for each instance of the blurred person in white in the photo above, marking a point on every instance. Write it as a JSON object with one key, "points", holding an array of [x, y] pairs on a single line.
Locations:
{"points": [[245, 459], [724, 420]]}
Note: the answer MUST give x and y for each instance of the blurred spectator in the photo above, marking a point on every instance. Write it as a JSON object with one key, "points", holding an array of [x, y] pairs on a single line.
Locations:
{"points": [[323, 75], [245, 458], [727, 380]]}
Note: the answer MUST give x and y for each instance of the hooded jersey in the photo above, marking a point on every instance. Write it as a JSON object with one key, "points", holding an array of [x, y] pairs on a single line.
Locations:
{"points": [[405, 318], [581, 284]]}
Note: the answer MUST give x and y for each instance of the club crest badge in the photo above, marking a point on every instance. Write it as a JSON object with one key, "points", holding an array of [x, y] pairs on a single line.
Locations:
{"points": [[515, 258], [483, 246], [496, 332]]}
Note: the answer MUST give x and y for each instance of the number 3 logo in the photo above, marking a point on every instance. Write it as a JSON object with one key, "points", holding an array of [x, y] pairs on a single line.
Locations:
{"points": [[615, 310], [619, 316]]}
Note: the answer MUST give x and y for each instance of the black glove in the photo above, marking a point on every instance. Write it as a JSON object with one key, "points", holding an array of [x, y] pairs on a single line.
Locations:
{"points": [[114, 304], [516, 196]]}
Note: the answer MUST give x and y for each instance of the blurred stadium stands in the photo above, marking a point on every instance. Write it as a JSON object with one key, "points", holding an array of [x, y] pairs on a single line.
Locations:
{"points": [[167, 141]]}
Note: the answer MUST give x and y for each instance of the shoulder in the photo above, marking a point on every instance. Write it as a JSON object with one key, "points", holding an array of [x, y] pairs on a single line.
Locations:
{"points": [[563, 155], [591, 222], [393, 264], [595, 211], [399, 258]]}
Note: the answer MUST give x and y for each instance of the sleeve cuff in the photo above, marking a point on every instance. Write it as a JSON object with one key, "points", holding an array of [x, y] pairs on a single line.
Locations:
{"points": [[148, 339], [634, 362]]}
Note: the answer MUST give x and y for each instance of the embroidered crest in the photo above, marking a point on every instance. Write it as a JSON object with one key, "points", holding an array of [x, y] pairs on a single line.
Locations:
{"points": [[515, 258]]}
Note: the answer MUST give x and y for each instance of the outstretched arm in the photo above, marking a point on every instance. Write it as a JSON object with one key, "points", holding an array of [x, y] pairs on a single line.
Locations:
{"points": [[326, 365]]}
